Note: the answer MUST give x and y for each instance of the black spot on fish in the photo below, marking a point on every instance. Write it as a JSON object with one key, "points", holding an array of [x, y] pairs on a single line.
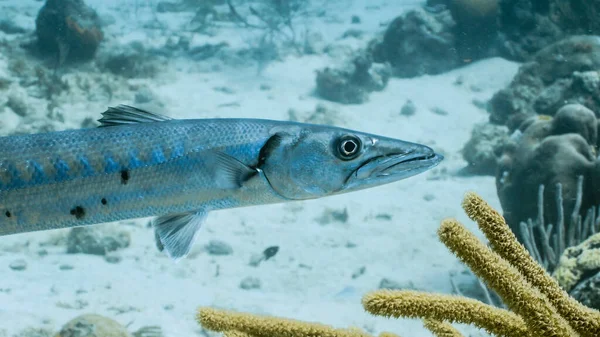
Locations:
{"points": [[103, 201], [78, 212], [7, 213], [124, 176]]}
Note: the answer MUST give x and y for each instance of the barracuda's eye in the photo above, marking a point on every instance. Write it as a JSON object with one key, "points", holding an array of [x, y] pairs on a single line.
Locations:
{"points": [[348, 147]]}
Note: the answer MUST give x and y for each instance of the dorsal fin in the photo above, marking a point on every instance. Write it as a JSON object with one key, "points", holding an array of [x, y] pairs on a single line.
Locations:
{"points": [[125, 114]]}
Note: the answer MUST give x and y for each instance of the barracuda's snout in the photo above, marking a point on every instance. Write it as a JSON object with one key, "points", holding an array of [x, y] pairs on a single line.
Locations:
{"points": [[391, 160]]}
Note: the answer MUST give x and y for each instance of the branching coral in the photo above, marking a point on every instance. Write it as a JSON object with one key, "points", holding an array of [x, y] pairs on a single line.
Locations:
{"points": [[538, 306], [584, 320], [234, 324]]}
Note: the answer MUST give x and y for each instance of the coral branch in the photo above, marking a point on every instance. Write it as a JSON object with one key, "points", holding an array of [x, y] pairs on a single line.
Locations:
{"points": [[415, 304], [254, 325], [441, 329], [584, 320]]}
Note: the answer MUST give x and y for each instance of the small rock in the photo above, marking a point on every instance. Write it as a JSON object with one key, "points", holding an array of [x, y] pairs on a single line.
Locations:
{"points": [[18, 265], [225, 90], [383, 216], [4, 83], [353, 33], [408, 109], [359, 272], [475, 88], [249, 283], [66, 267], [350, 244], [17, 105], [355, 19], [144, 95], [96, 240], [387, 283], [112, 258], [265, 87], [333, 215], [256, 259], [480, 104], [89, 123], [270, 252], [460, 80], [9, 26], [91, 325], [439, 111], [217, 247], [428, 197], [314, 43]]}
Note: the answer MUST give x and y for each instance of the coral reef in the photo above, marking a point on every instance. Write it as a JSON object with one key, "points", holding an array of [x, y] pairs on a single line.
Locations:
{"points": [[588, 291], [578, 262], [476, 28], [576, 16], [484, 147], [70, 29], [562, 73], [549, 151], [546, 242], [418, 43], [538, 306], [352, 84], [525, 28]]}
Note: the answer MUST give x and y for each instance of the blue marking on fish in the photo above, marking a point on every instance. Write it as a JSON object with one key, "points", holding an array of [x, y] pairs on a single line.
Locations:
{"points": [[134, 161], [12, 175], [178, 150], [110, 165], [38, 175], [87, 169], [62, 170], [158, 156]]}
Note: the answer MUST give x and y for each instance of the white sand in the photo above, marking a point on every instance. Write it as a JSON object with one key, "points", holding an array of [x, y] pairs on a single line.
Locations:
{"points": [[404, 249]]}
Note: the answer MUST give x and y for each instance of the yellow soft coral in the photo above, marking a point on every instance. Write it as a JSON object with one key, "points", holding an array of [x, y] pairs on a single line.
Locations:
{"points": [[236, 324], [539, 307], [584, 320]]}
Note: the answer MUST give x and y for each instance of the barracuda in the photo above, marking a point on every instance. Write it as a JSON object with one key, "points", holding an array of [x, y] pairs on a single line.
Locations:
{"points": [[140, 164]]}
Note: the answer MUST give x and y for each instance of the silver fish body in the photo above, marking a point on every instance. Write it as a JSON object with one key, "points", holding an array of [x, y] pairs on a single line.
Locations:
{"points": [[142, 164]]}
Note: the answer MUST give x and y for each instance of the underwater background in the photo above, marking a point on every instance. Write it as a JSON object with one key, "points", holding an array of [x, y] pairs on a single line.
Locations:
{"points": [[507, 90]]}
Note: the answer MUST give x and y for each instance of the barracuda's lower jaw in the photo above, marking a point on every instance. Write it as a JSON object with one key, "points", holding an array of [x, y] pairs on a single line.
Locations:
{"points": [[387, 169], [410, 165]]}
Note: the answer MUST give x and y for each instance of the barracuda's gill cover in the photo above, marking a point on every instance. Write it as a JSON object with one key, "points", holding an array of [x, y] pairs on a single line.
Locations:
{"points": [[140, 164]]}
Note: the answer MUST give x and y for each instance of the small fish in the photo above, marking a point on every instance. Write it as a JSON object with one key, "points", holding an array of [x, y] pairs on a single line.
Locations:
{"points": [[140, 164]]}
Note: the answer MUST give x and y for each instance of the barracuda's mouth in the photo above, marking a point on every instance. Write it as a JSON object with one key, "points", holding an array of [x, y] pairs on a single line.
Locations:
{"points": [[391, 167]]}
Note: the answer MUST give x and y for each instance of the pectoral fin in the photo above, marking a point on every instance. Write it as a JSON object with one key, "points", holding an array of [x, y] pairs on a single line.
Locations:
{"points": [[229, 173], [176, 233]]}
